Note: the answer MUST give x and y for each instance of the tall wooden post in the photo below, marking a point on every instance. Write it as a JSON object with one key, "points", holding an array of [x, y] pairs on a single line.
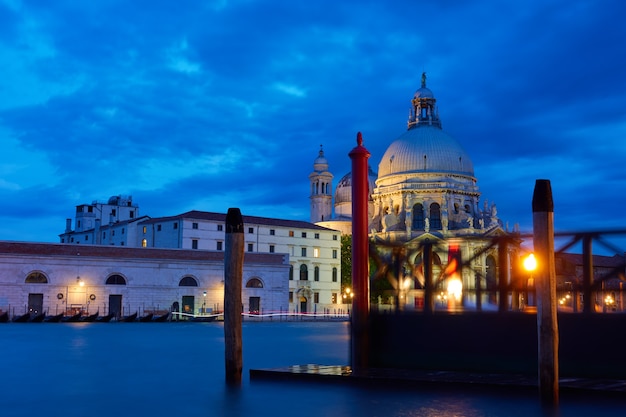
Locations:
{"points": [[233, 275], [360, 257], [545, 282], [427, 262], [589, 304], [503, 275]]}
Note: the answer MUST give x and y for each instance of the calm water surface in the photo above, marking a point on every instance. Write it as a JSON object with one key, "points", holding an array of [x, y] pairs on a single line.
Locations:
{"points": [[177, 369]]}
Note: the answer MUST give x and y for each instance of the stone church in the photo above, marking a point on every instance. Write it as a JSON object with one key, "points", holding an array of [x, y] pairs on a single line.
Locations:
{"points": [[425, 190]]}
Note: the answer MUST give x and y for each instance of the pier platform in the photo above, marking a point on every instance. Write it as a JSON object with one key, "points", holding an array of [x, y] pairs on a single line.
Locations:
{"points": [[429, 378]]}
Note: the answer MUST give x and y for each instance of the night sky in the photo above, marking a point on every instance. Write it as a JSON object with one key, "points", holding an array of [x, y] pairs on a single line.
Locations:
{"points": [[191, 105]]}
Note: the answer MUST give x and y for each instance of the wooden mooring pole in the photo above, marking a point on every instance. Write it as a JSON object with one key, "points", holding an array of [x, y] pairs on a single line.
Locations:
{"points": [[360, 258], [233, 274], [545, 282]]}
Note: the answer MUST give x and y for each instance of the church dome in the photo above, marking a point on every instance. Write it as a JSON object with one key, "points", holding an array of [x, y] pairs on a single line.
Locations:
{"points": [[321, 163], [343, 192], [425, 148], [424, 93]]}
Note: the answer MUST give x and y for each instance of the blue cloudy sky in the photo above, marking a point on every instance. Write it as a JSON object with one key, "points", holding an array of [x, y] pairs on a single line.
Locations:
{"points": [[208, 105]]}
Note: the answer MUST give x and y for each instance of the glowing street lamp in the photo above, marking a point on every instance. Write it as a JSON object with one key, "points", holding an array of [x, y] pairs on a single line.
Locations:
{"points": [[530, 264]]}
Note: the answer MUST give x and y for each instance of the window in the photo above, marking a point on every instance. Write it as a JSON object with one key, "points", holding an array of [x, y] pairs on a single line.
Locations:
{"points": [[272, 232], [36, 278], [78, 224], [333, 298], [435, 216], [112, 232], [220, 227], [122, 230], [334, 253], [303, 234], [316, 252], [194, 243], [291, 296], [219, 245], [317, 236], [291, 233], [89, 209], [86, 237], [334, 274], [113, 212], [316, 273], [334, 237], [104, 235], [188, 282], [145, 229], [250, 229], [418, 217], [291, 273], [175, 226], [304, 273], [303, 252], [115, 280], [144, 243], [158, 227], [271, 248], [194, 225], [250, 247], [254, 283], [316, 297], [132, 214]]}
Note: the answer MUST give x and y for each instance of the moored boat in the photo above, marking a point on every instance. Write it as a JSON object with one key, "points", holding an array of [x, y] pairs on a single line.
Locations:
{"points": [[90, 318], [21, 319], [105, 319], [147, 318], [37, 318], [161, 318], [72, 319], [53, 319], [130, 318]]}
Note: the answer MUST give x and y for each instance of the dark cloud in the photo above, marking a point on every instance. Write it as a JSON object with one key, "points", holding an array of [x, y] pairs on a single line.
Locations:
{"points": [[206, 106]]}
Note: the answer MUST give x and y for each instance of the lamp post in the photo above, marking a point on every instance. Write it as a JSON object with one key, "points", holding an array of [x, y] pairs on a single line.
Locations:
{"points": [[204, 302], [530, 264]]}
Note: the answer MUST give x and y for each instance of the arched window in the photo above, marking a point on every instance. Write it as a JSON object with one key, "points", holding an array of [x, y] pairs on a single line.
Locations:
{"points": [[144, 243], [254, 283], [316, 273], [188, 282], [290, 272], [334, 274], [36, 278], [418, 217], [435, 216], [304, 273], [115, 280]]}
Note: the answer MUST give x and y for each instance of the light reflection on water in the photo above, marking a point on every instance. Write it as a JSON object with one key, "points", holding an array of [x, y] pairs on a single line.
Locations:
{"points": [[168, 369]]}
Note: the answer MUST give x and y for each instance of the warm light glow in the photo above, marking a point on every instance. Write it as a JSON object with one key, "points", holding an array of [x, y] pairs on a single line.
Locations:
{"points": [[455, 288], [530, 263]]}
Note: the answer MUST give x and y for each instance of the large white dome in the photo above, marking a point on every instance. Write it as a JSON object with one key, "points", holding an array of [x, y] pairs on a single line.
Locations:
{"points": [[428, 149]]}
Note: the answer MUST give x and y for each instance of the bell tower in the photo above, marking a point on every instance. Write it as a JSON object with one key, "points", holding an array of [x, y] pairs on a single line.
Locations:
{"points": [[321, 190]]}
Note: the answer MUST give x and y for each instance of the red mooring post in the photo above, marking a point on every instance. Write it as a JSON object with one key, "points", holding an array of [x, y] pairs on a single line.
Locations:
{"points": [[545, 282], [360, 257], [233, 274]]}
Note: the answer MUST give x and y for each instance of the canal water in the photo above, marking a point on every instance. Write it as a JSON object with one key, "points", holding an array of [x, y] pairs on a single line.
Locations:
{"points": [[177, 369]]}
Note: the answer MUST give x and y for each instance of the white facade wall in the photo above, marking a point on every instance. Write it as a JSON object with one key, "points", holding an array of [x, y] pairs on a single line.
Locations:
{"points": [[305, 243], [152, 278]]}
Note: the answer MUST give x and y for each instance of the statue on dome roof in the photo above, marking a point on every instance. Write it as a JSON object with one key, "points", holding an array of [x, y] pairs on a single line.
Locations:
{"points": [[423, 79]]}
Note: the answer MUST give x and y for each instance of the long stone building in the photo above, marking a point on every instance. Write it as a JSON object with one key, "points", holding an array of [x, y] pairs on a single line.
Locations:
{"points": [[62, 278]]}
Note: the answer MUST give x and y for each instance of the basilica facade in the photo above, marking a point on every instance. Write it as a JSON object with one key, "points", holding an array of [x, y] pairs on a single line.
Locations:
{"points": [[425, 191]]}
